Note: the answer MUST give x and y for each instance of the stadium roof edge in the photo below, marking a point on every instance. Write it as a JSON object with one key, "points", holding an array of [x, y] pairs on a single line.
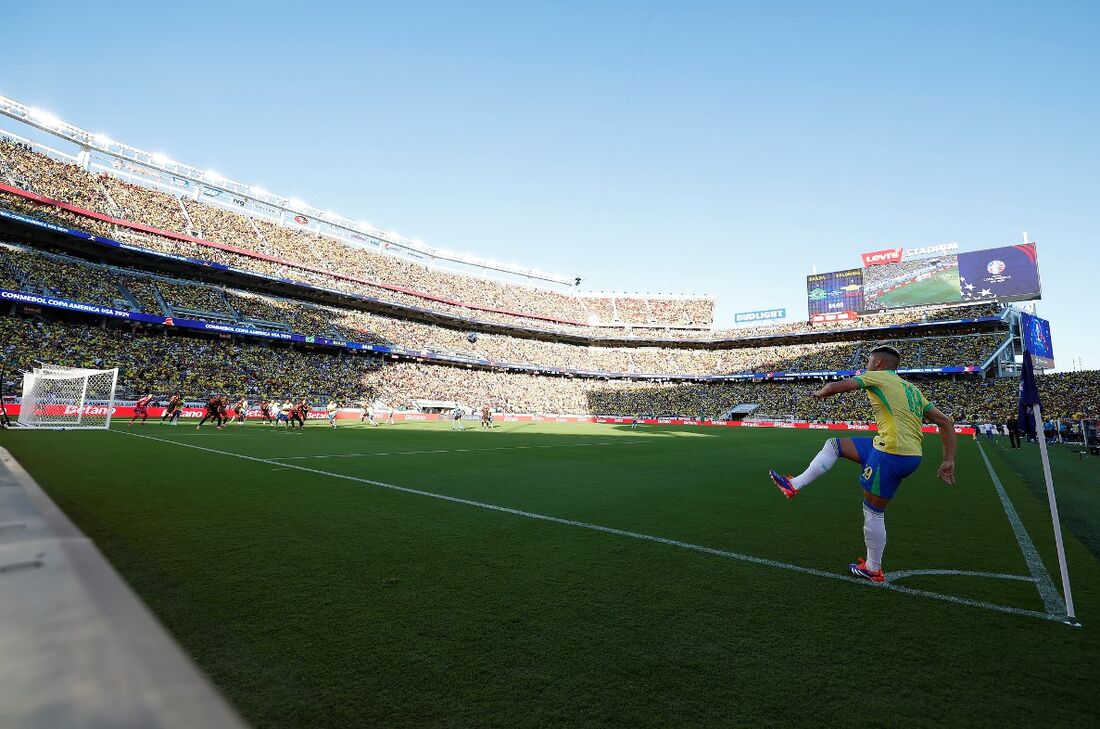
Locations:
{"points": [[51, 124]]}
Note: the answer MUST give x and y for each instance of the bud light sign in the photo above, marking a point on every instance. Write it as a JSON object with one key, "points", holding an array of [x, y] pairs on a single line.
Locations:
{"points": [[745, 317]]}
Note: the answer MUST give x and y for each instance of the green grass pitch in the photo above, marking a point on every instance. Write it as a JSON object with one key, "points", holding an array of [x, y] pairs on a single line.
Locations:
{"points": [[943, 288], [316, 600]]}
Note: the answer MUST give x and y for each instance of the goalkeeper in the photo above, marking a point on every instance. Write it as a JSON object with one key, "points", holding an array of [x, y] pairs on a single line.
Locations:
{"points": [[888, 458]]}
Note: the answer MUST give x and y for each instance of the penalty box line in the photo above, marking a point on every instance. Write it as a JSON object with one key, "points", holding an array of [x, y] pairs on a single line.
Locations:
{"points": [[751, 559], [453, 450]]}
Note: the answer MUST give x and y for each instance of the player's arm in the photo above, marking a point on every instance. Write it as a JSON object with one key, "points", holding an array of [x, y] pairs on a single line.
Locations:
{"points": [[835, 388], [946, 427]]}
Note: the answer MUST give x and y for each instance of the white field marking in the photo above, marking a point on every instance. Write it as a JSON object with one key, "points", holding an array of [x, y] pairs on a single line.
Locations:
{"points": [[902, 574], [1047, 591], [958, 600], [454, 450]]}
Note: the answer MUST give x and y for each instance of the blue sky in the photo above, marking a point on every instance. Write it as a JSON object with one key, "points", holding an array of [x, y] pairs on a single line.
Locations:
{"points": [[720, 148]]}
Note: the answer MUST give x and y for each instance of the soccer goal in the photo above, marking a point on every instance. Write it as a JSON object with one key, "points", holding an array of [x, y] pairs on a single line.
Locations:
{"points": [[67, 397]]}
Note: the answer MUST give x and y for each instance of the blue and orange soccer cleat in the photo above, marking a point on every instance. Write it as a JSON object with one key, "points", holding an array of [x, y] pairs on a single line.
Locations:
{"points": [[859, 569], [783, 483]]}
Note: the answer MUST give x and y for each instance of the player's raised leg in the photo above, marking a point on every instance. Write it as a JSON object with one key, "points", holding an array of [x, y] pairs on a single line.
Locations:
{"points": [[833, 449]]}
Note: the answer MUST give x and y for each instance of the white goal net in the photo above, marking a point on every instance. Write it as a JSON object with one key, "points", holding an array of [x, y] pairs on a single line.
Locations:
{"points": [[67, 397]]}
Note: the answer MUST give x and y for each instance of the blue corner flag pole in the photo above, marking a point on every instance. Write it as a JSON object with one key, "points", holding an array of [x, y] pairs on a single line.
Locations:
{"points": [[1029, 400]]}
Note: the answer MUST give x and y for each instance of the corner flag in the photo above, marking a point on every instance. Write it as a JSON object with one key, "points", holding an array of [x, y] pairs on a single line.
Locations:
{"points": [[1033, 426], [1029, 395]]}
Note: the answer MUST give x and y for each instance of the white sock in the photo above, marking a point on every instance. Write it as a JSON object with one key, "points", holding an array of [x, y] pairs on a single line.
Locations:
{"points": [[874, 536], [820, 465]]}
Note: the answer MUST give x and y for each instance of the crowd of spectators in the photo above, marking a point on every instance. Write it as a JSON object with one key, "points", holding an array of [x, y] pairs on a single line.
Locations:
{"points": [[160, 360], [110, 195], [967, 400], [78, 280], [272, 268]]}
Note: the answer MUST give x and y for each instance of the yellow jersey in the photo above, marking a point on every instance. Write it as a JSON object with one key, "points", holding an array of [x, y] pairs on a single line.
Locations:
{"points": [[899, 411]]}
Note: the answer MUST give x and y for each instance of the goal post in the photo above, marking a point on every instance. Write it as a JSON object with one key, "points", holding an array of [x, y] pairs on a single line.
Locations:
{"points": [[68, 397]]}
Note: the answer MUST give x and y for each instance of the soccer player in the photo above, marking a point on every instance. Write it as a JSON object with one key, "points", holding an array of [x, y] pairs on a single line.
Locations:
{"points": [[282, 413], [240, 410], [888, 458], [175, 407], [215, 407], [332, 408], [265, 412], [141, 407], [456, 419], [634, 422], [486, 417], [390, 420], [301, 409]]}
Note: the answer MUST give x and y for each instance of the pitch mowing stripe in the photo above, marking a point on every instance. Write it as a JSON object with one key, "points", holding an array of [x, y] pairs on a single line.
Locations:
{"points": [[453, 450], [1051, 599], [943, 597]]}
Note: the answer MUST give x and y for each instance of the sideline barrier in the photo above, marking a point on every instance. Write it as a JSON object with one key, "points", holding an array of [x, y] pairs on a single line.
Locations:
{"points": [[78, 647]]}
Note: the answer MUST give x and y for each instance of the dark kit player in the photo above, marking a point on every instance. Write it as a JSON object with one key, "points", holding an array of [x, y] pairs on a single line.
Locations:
{"points": [[215, 410], [174, 409], [265, 411], [298, 414]]}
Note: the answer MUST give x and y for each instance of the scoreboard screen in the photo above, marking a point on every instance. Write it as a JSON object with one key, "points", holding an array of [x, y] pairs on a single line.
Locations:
{"points": [[835, 292], [1035, 333]]}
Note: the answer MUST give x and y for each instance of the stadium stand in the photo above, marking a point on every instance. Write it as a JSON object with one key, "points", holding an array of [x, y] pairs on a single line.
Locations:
{"points": [[150, 360], [73, 278], [426, 314], [108, 195]]}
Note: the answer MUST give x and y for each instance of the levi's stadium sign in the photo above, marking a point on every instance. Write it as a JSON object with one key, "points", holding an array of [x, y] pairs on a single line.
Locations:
{"points": [[931, 250], [887, 255], [895, 255]]}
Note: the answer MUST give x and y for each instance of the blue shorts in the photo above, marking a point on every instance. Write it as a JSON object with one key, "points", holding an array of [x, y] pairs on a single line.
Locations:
{"points": [[282, 416], [882, 473]]}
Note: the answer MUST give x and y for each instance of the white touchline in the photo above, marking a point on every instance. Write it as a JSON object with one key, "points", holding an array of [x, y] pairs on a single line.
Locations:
{"points": [[453, 450], [624, 533], [1047, 591]]}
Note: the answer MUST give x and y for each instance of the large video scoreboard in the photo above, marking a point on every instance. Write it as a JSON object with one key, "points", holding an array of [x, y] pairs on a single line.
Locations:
{"points": [[893, 279], [835, 293]]}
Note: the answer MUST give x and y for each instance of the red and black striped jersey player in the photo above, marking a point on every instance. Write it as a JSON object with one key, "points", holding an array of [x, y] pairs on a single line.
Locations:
{"points": [[298, 414], [215, 411], [174, 410]]}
